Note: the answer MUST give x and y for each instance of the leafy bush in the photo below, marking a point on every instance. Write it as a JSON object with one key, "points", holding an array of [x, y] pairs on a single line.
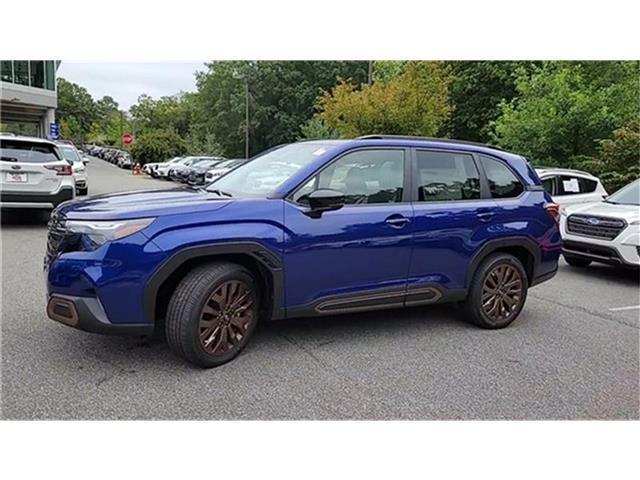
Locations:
{"points": [[157, 146], [415, 102]]}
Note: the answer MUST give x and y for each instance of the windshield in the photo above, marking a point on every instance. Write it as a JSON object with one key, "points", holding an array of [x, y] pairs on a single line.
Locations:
{"points": [[629, 195], [261, 176]]}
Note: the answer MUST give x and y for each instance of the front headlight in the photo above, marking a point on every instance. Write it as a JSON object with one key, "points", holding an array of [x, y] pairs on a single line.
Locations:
{"points": [[100, 232]]}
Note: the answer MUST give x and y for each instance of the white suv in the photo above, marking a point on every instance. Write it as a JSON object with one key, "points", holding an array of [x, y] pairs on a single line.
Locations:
{"points": [[605, 232], [568, 187], [33, 174], [78, 167]]}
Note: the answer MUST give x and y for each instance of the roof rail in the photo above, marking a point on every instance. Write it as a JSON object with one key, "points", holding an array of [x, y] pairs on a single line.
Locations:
{"points": [[431, 139]]}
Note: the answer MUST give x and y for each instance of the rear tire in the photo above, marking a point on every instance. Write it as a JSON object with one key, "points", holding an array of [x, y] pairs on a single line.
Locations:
{"points": [[577, 261], [212, 314], [498, 292], [83, 191]]}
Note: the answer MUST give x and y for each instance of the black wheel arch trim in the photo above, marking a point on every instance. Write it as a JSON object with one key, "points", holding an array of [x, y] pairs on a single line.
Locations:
{"points": [[257, 251], [499, 243]]}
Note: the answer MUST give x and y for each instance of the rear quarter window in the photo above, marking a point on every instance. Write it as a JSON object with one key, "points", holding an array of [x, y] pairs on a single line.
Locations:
{"points": [[27, 152], [503, 183]]}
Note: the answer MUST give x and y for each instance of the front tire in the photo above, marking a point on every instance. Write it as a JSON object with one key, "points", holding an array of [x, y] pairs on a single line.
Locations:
{"points": [[498, 292], [212, 314], [577, 261]]}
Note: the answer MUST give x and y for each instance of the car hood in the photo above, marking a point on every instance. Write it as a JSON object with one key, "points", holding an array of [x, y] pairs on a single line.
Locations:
{"points": [[143, 203], [629, 213]]}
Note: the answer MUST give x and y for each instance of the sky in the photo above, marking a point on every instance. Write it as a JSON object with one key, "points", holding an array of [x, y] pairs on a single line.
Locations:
{"points": [[125, 82]]}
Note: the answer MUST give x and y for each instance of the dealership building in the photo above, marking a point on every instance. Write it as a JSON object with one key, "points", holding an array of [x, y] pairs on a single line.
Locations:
{"points": [[28, 97]]}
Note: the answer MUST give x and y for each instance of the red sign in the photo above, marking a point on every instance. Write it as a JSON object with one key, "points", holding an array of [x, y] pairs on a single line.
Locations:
{"points": [[127, 138]]}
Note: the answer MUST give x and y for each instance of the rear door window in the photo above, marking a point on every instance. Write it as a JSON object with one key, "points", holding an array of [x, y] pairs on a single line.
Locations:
{"points": [[446, 176], [27, 152]]}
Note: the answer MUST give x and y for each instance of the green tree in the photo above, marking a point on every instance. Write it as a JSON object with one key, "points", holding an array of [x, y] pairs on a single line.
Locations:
{"points": [[416, 102], [282, 95], [563, 109], [157, 146], [477, 90], [385, 70], [617, 162], [76, 109], [316, 129]]}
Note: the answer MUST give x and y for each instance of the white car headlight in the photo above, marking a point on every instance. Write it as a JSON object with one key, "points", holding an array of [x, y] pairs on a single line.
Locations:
{"points": [[101, 232]]}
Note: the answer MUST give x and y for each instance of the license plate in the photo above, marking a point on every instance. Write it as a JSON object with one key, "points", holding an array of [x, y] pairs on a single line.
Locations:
{"points": [[16, 177]]}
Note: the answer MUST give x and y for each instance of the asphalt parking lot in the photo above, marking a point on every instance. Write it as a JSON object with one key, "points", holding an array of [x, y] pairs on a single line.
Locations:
{"points": [[572, 354]]}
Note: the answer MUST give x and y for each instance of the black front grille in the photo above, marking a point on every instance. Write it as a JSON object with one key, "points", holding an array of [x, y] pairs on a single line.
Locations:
{"points": [[55, 237], [595, 227]]}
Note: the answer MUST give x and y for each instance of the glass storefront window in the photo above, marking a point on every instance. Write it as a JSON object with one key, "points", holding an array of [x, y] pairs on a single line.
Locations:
{"points": [[6, 70], [37, 73], [51, 75], [21, 72]]}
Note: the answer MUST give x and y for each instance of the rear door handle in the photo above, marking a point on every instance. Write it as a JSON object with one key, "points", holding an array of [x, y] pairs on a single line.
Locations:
{"points": [[485, 216], [397, 221]]}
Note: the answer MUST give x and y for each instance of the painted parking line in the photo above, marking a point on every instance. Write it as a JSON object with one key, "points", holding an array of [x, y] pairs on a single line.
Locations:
{"points": [[619, 309]]}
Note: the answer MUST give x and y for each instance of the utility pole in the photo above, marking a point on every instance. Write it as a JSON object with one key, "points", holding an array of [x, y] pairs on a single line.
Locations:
{"points": [[121, 127], [370, 75], [246, 116]]}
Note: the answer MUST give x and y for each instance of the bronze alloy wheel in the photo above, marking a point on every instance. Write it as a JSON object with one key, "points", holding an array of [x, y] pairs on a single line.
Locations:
{"points": [[226, 317], [502, 292]]}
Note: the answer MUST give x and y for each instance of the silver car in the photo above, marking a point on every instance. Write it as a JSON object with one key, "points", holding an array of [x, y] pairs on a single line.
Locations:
{"points": [[33, 173]]}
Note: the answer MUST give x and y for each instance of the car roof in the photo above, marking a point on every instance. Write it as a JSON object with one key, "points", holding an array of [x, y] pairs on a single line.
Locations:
{"points": [[552, 170], [27, 139]]}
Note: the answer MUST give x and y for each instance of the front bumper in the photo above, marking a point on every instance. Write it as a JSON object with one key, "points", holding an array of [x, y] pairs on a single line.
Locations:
{"points": [[35, 200], [86, 313], [624, 250]]}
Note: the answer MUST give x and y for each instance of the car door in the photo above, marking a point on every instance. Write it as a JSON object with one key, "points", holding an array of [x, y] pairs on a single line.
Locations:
{"points": [[356, 257], [449, 215]]}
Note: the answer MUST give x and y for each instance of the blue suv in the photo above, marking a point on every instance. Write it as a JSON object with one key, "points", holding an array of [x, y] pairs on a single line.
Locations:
{"points": [[307, 229]]}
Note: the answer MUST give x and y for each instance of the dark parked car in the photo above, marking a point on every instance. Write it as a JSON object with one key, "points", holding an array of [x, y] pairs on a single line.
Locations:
{"points": [[312, 228]]}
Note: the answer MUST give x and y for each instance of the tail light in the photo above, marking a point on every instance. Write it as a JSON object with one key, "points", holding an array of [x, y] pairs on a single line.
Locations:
{"points": [[60, 169], [553, 209]]}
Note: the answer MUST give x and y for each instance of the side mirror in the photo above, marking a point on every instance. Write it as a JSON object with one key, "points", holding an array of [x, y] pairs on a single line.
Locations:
{"points": [[324, 200], [85, 160]]}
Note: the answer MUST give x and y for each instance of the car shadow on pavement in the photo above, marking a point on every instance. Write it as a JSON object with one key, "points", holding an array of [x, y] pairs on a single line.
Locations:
{"points": [[625, 276], [23, 217], [304, 333]]}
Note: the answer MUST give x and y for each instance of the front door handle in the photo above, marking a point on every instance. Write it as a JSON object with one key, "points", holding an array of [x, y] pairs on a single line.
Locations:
{"points": [[397, 221]]}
